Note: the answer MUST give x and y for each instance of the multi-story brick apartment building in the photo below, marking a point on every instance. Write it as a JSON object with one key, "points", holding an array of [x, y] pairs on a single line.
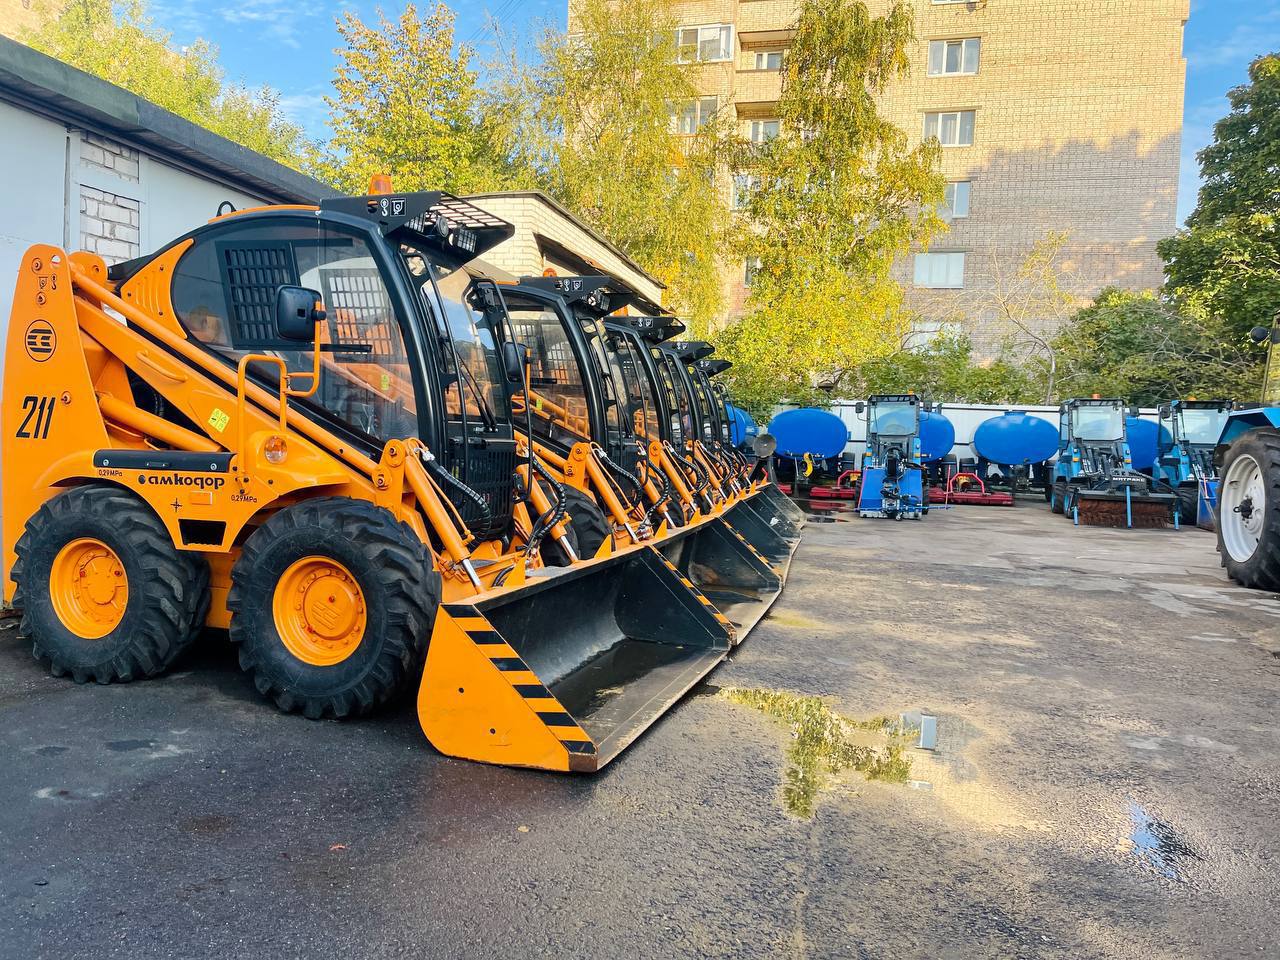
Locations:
{"points": [[1054, 115]]}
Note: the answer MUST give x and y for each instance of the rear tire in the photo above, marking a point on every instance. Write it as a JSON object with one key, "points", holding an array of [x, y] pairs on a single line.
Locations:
{"points": [[1058, 497], [1250, 544], [589, 525], [105, 594], [360, 640]]}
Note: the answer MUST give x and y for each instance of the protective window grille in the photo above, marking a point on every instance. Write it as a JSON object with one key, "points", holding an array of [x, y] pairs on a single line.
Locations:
{"points": [[251, 274], [489, 474], [360, 316]]}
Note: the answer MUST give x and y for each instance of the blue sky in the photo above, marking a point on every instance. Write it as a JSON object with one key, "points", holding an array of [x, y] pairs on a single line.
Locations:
{"points": [[268, 41]]}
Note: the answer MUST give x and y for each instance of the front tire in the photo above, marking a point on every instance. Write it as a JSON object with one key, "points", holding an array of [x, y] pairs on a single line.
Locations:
{"points": [[105, 594], [590, 528], [332, 603], [1249, 510], [1058, 497]]}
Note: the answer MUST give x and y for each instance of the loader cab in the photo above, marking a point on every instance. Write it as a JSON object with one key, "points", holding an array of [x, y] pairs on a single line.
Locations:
{"points": [[705, 409], [637, 340], [578, 392], [409, 341], [708, 369]]}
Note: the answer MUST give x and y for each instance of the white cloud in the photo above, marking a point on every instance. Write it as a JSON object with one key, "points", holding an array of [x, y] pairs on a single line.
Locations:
{"points": [[276, 20]]}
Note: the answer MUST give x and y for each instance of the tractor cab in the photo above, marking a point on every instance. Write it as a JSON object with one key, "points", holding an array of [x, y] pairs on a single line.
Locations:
{"points": [[892, 474], [1185, 459], [1094, 481]]}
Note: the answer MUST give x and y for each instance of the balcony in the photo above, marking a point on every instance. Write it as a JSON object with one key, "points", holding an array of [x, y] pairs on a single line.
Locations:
{"points": [[766, 21], [757, 87]]}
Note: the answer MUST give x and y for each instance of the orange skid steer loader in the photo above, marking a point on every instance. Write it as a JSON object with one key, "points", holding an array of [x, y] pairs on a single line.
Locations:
{"points": [[294, 423], [590, 416]]}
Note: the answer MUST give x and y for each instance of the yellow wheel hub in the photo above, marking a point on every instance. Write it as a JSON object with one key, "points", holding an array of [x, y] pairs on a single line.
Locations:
{"points": [[89, 588], [319, 611]]}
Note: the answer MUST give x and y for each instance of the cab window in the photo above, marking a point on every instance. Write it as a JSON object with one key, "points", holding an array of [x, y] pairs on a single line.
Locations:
{"points": [[224, 291]]}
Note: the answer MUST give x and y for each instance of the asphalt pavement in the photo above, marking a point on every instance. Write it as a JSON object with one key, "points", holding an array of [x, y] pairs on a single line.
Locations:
{"points": [[1103, 783]]}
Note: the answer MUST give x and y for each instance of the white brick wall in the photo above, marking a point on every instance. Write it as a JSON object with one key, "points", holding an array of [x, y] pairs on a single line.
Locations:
{"points": [[110, 224], [109, 155]]}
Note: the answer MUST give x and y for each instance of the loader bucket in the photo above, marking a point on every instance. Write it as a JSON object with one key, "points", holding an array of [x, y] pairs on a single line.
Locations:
{"points": [[724, 566], [782, 504], [564, 671], [765, 531]]}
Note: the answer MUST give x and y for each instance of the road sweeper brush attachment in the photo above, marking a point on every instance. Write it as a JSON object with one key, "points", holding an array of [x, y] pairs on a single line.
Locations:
{"points": [[1125, 499], [1114, 510]]}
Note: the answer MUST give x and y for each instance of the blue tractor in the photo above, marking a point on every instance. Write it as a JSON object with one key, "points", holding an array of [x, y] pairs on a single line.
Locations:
{"points": [[1248, 458], [892, 467], [1185, 460], [1094, 481]]}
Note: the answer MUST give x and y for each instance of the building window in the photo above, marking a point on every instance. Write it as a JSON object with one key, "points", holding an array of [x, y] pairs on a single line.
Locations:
{"points": [[940, 271], [768, 59], [753, 265], [743, 186], [762, 131], [953, 129], [687, 118], [956, 204], [954, 57], [704, 44]]}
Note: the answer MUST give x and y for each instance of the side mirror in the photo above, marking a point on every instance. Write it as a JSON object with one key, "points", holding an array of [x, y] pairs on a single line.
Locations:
{"points": [[298, 310], [1259, 334], [1134, 411], [1165, 411], [859, 407], [515, 357]]}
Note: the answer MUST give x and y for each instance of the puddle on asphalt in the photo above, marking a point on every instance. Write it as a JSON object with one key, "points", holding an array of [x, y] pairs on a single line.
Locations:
{"points": [[1158, 847], [781, 618], [825, 744]]}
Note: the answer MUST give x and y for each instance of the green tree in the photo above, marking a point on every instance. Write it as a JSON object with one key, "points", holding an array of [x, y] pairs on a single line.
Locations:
{"points": [[836, 198], [120, 43], [1145, 349], [595, 120], [943, 369], [406, 103], [1224, 268]]}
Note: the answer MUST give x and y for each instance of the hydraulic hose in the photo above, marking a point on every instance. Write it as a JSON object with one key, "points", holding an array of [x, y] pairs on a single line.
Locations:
{"points": [[444, 477], [553, 516]]}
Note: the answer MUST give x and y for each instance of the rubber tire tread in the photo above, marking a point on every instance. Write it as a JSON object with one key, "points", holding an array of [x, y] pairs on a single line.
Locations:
{"points": [[1058, 497], [590, 527], [1262, 570], [168, 587], [401, 591]]}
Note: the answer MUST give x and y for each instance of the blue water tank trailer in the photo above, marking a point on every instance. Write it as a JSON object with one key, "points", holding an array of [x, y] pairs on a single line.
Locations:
{"points": [[1016, 439], [818, 433], [937, 436], [742, 426], [1145, 439]]}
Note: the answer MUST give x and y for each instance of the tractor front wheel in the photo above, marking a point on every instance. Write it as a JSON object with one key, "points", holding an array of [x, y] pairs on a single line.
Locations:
{"points": [[332, 603], [1249, 510], [1058, 497], [104, 593]]}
